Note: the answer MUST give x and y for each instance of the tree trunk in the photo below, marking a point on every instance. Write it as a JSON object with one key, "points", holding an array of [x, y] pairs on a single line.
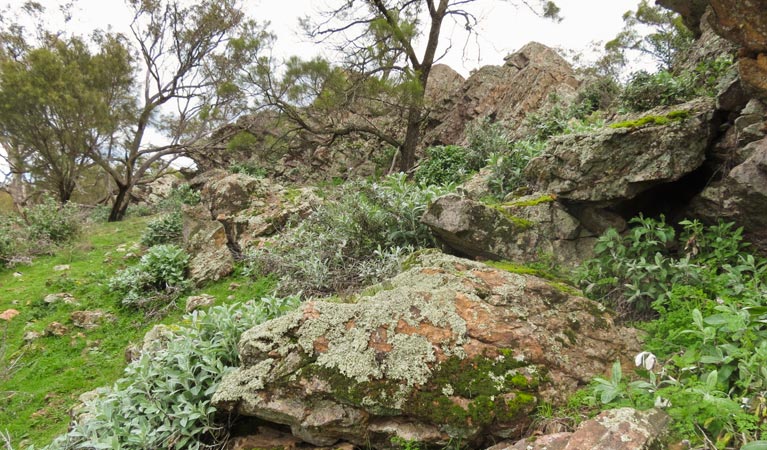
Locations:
{"points": [[120, 205], [412, 136]]}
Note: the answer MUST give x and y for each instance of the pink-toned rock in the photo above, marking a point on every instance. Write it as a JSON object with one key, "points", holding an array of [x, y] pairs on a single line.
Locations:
{"points": [[450, 349]]}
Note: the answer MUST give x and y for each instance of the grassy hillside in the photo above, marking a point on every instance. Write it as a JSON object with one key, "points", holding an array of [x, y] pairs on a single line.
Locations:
{"points": [[52, 371]]}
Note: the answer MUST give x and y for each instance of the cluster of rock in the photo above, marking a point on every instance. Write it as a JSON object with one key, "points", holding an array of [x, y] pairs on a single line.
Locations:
{"points": [[236, 211]]}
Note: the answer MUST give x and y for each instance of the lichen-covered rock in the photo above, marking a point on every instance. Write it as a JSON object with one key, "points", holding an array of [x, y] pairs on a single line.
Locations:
{"points": [[207, 243], [519, 230], [153, 193], [741, 196], [504, 93], [616, 429], [448, 349], [616, 164]]}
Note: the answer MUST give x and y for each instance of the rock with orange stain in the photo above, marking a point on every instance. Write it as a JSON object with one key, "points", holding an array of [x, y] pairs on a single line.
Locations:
{"points": [[449, 349]]}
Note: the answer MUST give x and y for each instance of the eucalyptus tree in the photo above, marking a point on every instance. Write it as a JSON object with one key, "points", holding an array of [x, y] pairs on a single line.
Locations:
{"points": [[189, 55], [60, 102], [386, 49]]}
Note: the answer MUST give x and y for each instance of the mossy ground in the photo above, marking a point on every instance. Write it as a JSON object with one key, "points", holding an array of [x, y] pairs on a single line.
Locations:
{"points": [[673, 116], [53, 371]]}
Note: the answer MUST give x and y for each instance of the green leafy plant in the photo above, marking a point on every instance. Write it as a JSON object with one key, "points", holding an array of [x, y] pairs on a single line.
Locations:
{"points": [[705, 294], [160, 274], [166, 229], [247, 168], [444, 165], [163, 399], [507, 169]]}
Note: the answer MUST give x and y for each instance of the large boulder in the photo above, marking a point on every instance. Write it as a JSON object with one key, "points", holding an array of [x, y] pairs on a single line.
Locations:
{"points": [[521, 230], [502, 93], [617, 164], [449, 349]]}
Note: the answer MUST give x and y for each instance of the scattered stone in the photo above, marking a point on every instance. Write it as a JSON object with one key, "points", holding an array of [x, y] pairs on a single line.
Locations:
{"points": [[62, 297], [31, 336], [520, 230], [157, 338], [9, 314], [56, 329], [195, 302], [132, 353], [234, 286], [265, 437], [91, 319], [422, 344], [61, 268], [230, 297], [17, 274]]}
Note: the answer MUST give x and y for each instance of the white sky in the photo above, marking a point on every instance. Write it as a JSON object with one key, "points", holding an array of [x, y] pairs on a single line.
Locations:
{"points": [[503, 27]]}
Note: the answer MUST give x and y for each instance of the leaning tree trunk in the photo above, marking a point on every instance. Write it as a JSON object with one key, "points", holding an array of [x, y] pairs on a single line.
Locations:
{"points": [[120, 205]]}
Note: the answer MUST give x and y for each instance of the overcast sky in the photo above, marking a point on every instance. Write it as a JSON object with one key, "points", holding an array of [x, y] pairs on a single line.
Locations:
{"points": [[503, 27]]}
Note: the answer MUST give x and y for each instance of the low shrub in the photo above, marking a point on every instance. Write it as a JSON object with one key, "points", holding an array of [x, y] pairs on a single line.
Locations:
{"points": [[13, 240], [178, 197], [159, 274], [166, 229], [357, 239], [484, 139], [507, 169], [443, 165], [48, 221], [163, 399]]}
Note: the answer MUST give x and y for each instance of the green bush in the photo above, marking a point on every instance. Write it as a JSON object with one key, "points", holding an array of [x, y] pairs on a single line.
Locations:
{"points": [[356, 240], [12, 240], [178, 197], [51, 222], [443, 165], [645, 91], [159, 274], [485, 139], [166, 229], [507, 169], [163, 399], [248, 168], [706, 349]]}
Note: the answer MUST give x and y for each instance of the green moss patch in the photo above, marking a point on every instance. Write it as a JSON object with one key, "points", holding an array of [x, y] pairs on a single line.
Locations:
{"points": [[673, 116], [546, 198]]}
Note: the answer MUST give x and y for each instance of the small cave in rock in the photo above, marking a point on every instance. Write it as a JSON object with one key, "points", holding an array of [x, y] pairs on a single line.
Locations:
{"points": [[668, 199]]}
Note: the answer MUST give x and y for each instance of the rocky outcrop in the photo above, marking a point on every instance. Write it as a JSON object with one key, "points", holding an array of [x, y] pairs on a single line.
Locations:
{"points": [[236, 212], [449, 349], [502, 93], [615, 429], [521, 230], [153, 193], [617, 164]]}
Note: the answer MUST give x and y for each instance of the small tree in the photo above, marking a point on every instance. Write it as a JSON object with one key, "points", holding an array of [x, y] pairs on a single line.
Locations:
{"points": [[60, 103], [668, 39], [190, 56]]}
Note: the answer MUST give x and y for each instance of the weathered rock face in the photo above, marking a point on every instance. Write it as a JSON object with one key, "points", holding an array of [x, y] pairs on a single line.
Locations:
{"points": [[443, 83], [235, 212], [614, 165], [521, 230], [616, 429], [156, 191], [505, 93], [448, 349], [741, 196]]}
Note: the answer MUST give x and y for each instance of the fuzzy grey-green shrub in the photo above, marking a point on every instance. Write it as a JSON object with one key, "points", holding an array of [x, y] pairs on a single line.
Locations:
{"points": [[353, 241], [160, 273], [166, 229], [50, 222], [163, 400]]}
